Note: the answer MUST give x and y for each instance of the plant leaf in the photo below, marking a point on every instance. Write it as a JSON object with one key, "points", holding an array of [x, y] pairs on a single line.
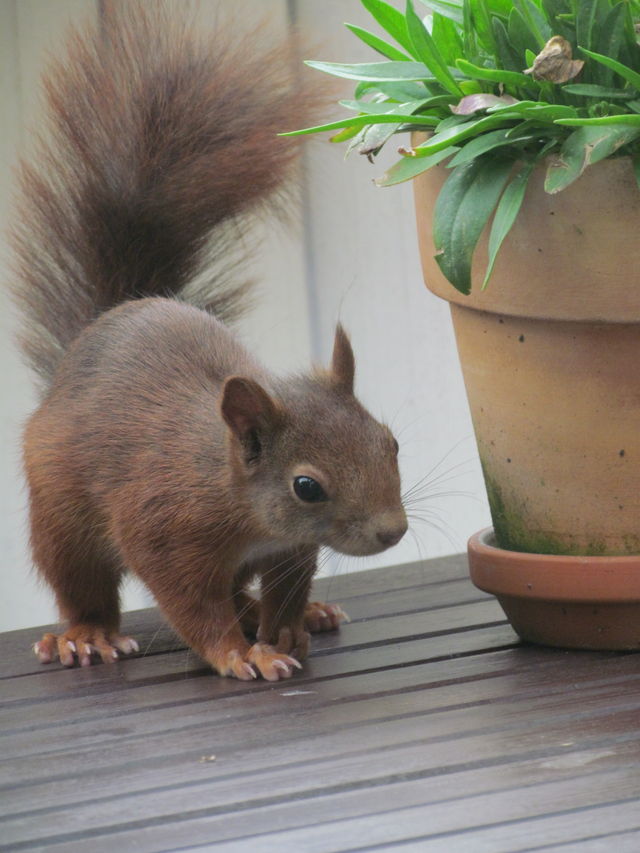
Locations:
{"points": [[470, 41], [585, 146], [451, 9], [345, 134], [506, 214], [624, 71], [463, 208], [592, 90], [438, 101], [362, 120], [391, 20], [480, 145], [452, 121], [535, 20], [480, 20], [445, 34], [520, 33], [519, 108], [551, 112], [382, 107], [426, 50], [522, 130], [496, 75], [632, 119], [611, 37], [471, 87], [374, 137], [460, 131], [554, 10], [392, 72], [378, 44], [403, 90], [510, 59], [589, 14], [409, 167]]}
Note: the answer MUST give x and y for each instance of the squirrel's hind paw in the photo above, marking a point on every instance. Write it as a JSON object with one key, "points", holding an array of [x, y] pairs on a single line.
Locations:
{"points": [[81, 643], [323, 617]]}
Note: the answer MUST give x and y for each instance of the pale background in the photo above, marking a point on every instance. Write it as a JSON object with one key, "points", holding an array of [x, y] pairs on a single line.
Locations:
{"points": [[352, 257]]}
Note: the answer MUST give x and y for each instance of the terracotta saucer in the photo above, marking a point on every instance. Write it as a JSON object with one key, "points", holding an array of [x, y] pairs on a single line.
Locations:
{"points": [[554, 600]]}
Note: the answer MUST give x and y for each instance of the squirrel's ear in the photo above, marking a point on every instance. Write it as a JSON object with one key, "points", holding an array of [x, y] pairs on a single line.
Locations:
{"points": [[343, 363], [248, 409]]}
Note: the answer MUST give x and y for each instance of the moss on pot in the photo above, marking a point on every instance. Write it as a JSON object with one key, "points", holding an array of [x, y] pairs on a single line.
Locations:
{"points": [[513, 534]]}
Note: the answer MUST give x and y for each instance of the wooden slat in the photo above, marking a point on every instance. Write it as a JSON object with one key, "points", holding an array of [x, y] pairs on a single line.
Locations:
{"points": [[469, 735], [523, 835], [315, 817], [439, 802], [422, 724], [446, 683], [510, 733], [423, 822], [418, 586], [153, 708], [358, 635]]}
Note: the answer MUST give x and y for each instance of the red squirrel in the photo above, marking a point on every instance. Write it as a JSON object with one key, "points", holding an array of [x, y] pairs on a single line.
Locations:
{"points": [[160, 445]]}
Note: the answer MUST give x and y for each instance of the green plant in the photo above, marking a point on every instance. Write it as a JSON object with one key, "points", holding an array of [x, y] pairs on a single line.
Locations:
{"points": [[494, 85]]}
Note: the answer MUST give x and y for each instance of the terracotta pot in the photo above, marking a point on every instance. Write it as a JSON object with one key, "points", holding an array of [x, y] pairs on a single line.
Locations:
{"points": [[550, 353], [572, 602]]}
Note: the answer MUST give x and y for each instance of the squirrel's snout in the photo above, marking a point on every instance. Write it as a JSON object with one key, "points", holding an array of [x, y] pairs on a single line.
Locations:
{"points": [[390, 528], [391, 536], [372, 536]]}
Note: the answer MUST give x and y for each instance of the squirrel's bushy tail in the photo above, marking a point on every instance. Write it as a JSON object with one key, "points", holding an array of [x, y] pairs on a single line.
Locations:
{"points": [[156, 139]]}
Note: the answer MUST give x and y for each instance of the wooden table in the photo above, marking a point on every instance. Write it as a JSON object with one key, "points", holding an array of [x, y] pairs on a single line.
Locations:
{"points": [[424, 725]]}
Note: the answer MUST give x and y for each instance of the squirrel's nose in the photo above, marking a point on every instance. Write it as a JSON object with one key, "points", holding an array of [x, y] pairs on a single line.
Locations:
{"points": [[391, 535]]}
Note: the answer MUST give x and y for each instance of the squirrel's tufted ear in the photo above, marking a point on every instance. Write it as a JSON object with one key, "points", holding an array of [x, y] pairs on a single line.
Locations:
{"points": [[343, 363], [248, 409]]}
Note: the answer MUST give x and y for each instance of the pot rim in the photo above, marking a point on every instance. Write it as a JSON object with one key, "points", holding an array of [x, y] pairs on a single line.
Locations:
{"points": [[553, 577]]}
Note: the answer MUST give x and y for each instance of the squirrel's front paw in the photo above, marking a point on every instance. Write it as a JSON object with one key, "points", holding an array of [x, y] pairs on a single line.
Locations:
{"points": [[292, 641], [271, 663], [81, 643], [260, 659]]}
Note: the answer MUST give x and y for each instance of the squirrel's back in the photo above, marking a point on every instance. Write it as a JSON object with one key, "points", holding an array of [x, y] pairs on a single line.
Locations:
{"points": [[157, 140]]}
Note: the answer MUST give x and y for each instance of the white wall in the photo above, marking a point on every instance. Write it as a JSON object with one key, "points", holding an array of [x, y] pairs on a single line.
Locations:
{"points": [[353, 257]]}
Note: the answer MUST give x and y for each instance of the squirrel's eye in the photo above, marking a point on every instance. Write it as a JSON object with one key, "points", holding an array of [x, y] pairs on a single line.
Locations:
{"points": [[309, 490], [396, 446]]}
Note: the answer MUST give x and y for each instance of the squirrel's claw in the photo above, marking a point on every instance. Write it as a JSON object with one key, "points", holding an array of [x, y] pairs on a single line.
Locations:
{"points": [[319, 616], [273, 665], [80, 643]]}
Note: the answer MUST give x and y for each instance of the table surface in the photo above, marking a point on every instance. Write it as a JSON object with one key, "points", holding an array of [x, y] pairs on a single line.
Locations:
{"points": [[422, 725]]}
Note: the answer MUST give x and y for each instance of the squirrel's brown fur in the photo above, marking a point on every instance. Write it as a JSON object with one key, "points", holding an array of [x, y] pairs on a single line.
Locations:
{"points": [[161, 446]]}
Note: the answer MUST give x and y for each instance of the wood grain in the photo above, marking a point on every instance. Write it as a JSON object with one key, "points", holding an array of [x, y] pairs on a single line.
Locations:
{"points": [[422, 725]]}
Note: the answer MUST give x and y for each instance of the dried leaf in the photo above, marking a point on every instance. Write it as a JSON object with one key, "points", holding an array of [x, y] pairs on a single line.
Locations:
{"points": [[555, 63], [472, 103]]}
